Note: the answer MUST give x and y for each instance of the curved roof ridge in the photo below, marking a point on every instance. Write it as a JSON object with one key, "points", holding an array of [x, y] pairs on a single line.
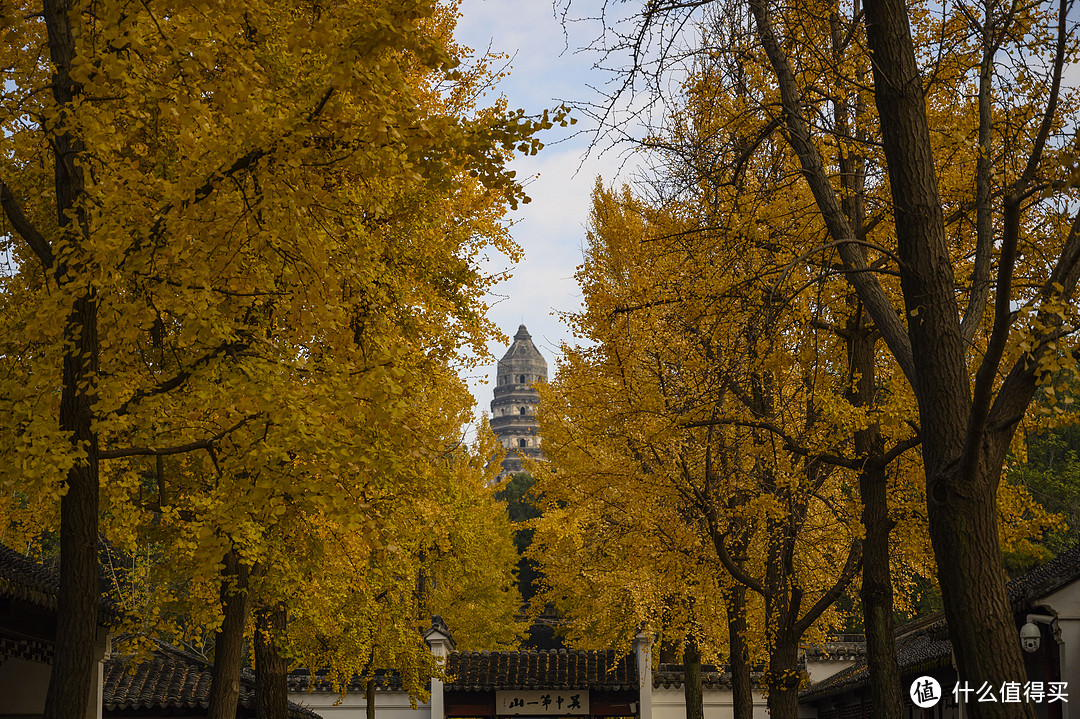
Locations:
{"points": [[1045, 578], [542, 669], [31, 581]]}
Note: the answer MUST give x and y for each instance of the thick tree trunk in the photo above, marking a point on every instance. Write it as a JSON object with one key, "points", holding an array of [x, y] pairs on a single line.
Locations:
{"points": [[742, 691], [784, 679], [369, 698], [981, 627], [695, 708], [229, 644], [271, 669], [77, 601], [961, 480]]}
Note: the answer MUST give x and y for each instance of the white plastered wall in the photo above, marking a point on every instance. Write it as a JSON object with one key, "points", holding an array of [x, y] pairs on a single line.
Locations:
{"points": [[388, 705], [1065, 602], [669, 704], [23, 684], [821, 669], [666, 704]]}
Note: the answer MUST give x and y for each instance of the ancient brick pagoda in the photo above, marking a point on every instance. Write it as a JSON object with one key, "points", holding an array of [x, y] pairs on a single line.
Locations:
{"points": [[513, 411]]}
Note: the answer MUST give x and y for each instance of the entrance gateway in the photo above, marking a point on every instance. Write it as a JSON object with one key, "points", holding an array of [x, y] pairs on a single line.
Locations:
{"points": [[554, 683], [571, 684], [574, 684]]}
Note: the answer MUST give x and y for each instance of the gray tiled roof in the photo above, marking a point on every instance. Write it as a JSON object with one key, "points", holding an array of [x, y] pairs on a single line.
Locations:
{"points": [[923, 643], [672, 676], [301, 680], [1044, 579], [171, 679], [28, 580], [23, 578], [484, 671], [553, 669], [915, 653], [837, 651]]}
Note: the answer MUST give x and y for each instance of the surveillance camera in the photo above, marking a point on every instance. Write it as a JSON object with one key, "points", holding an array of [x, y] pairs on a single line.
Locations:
{"points": [[1030, 637]]}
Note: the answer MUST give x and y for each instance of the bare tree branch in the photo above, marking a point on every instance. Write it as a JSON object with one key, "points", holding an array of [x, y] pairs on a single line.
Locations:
{"points": [[179, 378], [25, 229], [207, 444], [866, 284], [826, 600]]}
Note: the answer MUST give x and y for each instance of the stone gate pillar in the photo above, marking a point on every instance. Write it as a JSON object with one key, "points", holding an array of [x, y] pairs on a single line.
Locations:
{"points": [[643, 651], [441, 643]]}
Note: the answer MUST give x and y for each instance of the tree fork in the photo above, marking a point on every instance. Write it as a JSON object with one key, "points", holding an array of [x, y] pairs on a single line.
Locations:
{"points": [[964, 535], [876, 591]]}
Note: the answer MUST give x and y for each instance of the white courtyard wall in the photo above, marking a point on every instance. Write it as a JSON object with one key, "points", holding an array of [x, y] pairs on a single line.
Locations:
{"points": [[820, 669], [23, 685], [1065, 603], [667, 704], [388, 705], [25, 682]]}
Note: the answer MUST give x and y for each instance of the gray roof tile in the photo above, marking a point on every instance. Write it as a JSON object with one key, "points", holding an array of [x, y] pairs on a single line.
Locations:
{"points": [[553, 669], [171, 679], [24, 578], [923, 643]]}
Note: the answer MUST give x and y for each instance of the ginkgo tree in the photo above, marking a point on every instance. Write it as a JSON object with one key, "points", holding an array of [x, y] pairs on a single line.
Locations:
{"points": [[695, 356], [708, 433], [447, 554], [973, 368], [970, 129], [238, 232]]}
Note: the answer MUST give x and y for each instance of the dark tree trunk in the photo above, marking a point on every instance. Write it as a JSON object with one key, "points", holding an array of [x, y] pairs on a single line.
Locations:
{"points": [[742, 691], [784, 679], [271, 669], [77, 600], [965, 428], [960, 456], [229, 644], [369, 698], [695, 708], [787, 620], [984, 637], [876, 592]]}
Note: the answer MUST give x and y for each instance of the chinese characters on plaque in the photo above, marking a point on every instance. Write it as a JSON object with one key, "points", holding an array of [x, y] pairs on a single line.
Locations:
{"points": [[546, 702]]}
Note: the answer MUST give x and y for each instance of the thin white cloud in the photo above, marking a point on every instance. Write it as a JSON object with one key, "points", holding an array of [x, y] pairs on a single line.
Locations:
{"points": [[551, 228]]}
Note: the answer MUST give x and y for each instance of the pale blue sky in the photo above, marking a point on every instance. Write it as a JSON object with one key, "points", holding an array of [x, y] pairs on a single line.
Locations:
{"points": [[546, 69], [549, 67]]}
